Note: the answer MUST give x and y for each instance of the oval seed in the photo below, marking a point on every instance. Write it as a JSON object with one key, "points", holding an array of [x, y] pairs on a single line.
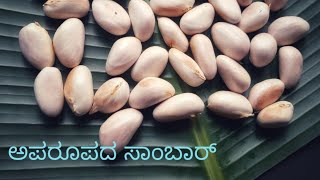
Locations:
{"points": [[254, 17], [230, 105], [111, 96], [276, 115], [151, 63], [288, 30], [111, 17], [78, 90], [265, 93], [203, 53], [64, 9], [123, 54], [276, 5], [172, 34], [229, 10], [263, 49], [230, 40], [244, 2], [32, 38], [150, 91], [171, 8], [143, 22], [233, 74], [182, 106], [120, 128], [290, 66], [48, 90], [186, 68], [68, 42], [198, 19]]}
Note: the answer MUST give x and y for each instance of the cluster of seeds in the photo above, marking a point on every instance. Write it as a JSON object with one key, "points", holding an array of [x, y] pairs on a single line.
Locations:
{"points": [[229, 37]]}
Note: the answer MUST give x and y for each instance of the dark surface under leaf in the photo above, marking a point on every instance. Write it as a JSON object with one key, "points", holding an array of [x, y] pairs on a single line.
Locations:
{"points": [[244, 150]]}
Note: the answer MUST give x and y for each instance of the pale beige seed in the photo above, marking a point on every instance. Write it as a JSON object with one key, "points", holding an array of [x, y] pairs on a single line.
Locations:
{"points": [[204, 55], [290, 66], [230, 40], [198, 19], [143, 21], [172, 34], [182, 106], [111, 17], [265, 93], [233, 74], [230, 105], [78, 90], [263, 49], [276, 115], [64, 9], [151, 63], [171, 8], [111, 96], [276, 5], [186, 68], [288, 30], [229, 10], [68, 42], [48, 90], [123, 54], [120, 128], [244, 2], [32, 38], [150, 91], [254, 17]]}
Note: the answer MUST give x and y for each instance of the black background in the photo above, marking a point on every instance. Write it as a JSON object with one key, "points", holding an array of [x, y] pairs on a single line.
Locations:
{"points": [[301, 165]]}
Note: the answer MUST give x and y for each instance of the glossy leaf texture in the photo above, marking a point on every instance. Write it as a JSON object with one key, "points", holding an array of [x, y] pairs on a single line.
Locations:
{"points": [[245, 150]]}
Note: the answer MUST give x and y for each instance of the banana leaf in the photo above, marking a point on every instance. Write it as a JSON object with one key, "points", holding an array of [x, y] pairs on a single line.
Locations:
{"points": [[244, 150]]}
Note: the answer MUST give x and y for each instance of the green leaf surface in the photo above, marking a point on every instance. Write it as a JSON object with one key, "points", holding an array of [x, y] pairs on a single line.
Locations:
{"points": [[245, 151]]}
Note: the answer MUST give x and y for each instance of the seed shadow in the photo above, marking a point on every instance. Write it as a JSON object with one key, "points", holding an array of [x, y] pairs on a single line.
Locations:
{"points": [[51, 122], [269, 133], [228, 124]]}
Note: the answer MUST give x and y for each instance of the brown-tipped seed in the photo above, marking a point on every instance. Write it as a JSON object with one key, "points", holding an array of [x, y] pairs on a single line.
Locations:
{"points": [[111, 96], [244, 3], [276, 5], [254, 17], [150, 91], [230, 105], [123, 54], [288, 30], [182, 106], [265, 93], [143, 22], [32, 38], [203, 53], [290, 66], [120, 128], [198, 19], [172, 34], [171, 8], [276, 115], [111, 17], [68, 42], [48, 90], [151, 63], [233, 74], [186, 68], [229, 10], [78, 90], [263, 49], [230, 40], [64, 9]]}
